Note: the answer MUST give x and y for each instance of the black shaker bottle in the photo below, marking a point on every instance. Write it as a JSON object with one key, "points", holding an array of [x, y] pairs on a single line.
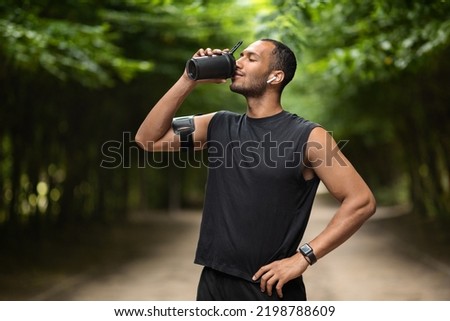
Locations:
{"points": [[212, 67]]}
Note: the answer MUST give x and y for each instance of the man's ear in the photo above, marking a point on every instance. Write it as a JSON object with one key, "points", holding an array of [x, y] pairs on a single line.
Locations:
{"points": [[276, 77]]}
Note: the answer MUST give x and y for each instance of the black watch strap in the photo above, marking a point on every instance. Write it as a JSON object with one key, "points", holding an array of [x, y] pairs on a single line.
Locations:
{"points": [[308, 253]]}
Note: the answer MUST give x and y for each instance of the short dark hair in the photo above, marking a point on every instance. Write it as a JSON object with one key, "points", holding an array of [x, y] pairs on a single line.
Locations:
{"points": [[284, 59]]}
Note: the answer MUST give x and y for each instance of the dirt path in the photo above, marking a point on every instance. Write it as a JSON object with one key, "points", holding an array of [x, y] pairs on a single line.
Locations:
{"points": [[373, 265]]}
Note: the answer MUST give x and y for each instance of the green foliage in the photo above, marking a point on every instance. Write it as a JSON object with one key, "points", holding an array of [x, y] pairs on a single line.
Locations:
{"points": [[65, 49], [374, 40]]}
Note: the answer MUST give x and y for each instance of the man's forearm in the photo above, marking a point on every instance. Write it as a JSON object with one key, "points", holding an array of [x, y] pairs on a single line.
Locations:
{"points": [[347, 220], [159, 119]]}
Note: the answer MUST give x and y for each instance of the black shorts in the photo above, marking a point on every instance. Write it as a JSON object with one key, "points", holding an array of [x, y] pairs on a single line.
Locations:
{"points": [[218, 286]]}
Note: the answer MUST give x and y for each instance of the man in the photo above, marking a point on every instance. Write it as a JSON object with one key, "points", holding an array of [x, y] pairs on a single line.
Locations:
{"points": [[263, 172]]}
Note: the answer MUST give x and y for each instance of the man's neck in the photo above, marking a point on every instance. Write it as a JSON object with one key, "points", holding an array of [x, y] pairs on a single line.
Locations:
{"points": [[262, 107]]}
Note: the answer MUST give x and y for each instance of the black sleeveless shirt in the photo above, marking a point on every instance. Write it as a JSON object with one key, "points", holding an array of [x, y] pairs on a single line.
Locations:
{"points": [[257, 203]]}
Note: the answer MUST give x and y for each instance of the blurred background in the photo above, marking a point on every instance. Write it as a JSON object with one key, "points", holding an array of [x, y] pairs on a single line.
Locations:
{"points": [[77, 77]]}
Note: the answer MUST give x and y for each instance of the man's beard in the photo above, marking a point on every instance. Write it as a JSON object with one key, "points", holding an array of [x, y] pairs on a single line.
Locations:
{"points": [[256, 89]]}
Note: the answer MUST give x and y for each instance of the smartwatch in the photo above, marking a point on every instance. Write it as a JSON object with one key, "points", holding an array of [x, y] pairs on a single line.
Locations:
{"points": [[308, 253]]}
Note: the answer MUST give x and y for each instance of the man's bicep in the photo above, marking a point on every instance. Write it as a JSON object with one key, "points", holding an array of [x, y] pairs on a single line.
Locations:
{"points": [[331, 165]]}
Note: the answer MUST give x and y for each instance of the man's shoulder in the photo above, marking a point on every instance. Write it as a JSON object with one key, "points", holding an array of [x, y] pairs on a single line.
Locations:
{"points": [[301, 122], [224, 115], [227, 113], [297, 118]]}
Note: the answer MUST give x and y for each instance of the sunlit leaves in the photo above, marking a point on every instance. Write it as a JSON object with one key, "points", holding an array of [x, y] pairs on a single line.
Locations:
{"points": [[65, 49], [374, 39]]}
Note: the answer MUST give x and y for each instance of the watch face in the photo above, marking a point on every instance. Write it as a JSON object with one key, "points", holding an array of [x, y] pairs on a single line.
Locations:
{"points": [[305, 249]]}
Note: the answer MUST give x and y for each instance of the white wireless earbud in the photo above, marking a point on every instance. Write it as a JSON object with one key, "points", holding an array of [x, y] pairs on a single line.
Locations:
{"points": [[271, 79]]}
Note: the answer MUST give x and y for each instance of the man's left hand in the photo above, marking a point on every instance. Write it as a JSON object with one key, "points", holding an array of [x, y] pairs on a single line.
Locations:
{"points": [[278, 273]]}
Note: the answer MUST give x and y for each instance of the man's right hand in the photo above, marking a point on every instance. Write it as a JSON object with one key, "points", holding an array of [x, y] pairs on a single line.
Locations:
{"points": [[208, 52]]}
